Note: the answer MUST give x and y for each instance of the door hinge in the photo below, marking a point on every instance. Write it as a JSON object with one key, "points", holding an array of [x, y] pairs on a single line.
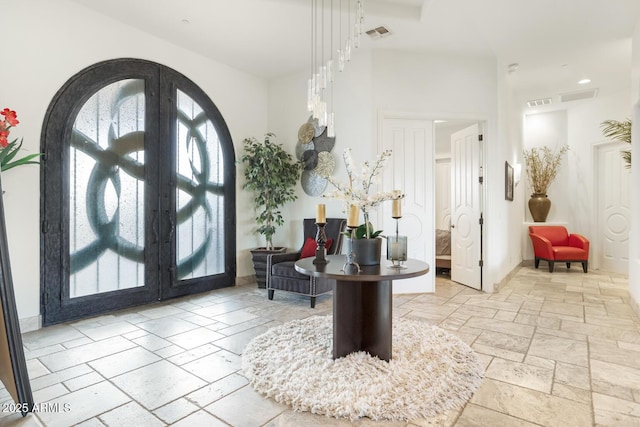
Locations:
{"points": [[481, 221], [45, 226], [480, 263], [45, 298], [480, 137], [480, 179]]}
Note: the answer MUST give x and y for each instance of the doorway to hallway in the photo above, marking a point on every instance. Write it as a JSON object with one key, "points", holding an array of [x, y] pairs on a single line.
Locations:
{"points": [[452, 206]]}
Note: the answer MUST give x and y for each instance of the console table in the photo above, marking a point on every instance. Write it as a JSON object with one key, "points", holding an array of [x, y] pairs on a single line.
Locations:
{"points": [[362, 303]]}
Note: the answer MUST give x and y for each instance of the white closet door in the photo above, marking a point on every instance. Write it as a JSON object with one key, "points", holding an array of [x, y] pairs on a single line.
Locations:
{"points": [[614, 210], [412, 171]]}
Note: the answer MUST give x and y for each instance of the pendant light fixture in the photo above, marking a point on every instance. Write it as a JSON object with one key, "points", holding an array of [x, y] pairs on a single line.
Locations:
{"points": [[323, 31]]}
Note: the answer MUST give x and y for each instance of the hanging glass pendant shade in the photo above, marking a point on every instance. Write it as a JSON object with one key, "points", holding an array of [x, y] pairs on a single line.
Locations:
{"points": [[320, 84]]}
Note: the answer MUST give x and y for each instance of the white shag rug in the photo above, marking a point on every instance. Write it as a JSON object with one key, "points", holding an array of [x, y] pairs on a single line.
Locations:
{"points": [[431, 371]]}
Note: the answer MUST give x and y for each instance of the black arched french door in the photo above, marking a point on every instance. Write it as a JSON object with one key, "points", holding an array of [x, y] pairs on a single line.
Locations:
{"points": [[138, 191]]}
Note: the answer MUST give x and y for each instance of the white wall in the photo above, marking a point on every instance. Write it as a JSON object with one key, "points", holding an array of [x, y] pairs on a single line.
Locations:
{"points": [[508, 219], [440, 85], [50, 42], [584, 131], [354, 123], [549, 129]]}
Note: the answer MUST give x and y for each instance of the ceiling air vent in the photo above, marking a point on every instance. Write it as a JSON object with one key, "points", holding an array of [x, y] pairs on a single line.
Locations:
{"points": [[378, 32], [539, 102], [574, 96]]}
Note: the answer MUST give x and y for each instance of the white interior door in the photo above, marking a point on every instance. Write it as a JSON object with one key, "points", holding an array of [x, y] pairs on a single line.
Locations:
{"points": [[412, 172], [466, 207], [614, 209]]}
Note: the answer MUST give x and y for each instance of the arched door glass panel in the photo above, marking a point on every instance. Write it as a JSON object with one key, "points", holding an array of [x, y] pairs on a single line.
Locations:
{"points": [[106, 191], [199, 193]]}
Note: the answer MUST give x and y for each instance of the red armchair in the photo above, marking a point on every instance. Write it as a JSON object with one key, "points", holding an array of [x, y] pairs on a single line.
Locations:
{"points": [[553, 243]]}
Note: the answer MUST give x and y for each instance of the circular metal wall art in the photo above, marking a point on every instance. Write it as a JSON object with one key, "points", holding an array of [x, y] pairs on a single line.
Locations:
{"points": [[313, 150], [323, 142], [310, 159], [301, 148], [306, 133], [326, 164], [317, 128], [312, 183]]}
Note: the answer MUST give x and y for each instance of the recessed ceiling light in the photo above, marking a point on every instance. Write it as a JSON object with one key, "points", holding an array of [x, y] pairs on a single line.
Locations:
{"points": [[584, 81]]}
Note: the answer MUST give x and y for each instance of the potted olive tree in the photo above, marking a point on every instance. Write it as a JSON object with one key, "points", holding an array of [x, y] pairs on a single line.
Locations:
{"points": [[619, 131], [271, 173]]}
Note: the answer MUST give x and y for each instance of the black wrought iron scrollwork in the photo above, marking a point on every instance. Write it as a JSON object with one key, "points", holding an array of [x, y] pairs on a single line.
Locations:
{"points": [[110, 162], [154, 226], [198, 186], [108, 165]]}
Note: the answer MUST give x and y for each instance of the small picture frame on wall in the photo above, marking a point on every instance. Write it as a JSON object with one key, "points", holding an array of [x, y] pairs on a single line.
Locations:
{"points": [[508, 181]]}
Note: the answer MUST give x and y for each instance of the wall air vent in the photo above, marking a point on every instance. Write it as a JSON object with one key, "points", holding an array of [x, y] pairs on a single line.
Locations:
{"points": [[378, 32], [574, 96], [539, 102]]}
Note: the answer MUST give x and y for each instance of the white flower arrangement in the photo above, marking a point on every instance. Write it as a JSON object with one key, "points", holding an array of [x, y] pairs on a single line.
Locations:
{"points": [[356, 191]]}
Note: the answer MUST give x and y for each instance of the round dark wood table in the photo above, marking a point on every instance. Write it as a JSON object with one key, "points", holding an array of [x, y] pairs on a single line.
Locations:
{"points": [[362, 302]]}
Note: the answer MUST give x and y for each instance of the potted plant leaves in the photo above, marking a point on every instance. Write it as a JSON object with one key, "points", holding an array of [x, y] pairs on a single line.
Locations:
{"points": [[271, 173]]}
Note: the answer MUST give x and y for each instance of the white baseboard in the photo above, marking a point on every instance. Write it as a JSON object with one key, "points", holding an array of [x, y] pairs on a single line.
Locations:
{"points": [[29, 324], [509, 276], [246, 280]]}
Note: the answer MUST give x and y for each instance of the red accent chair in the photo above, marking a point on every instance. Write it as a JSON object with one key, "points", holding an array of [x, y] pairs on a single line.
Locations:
{"points": [[553, 243]]}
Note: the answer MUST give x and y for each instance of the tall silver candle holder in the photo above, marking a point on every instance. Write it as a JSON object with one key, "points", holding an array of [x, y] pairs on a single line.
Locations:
{"points": [[397, 245]]}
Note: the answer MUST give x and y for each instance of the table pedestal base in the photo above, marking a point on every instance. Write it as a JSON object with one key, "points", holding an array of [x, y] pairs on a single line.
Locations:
{"points": [[362, 318]]}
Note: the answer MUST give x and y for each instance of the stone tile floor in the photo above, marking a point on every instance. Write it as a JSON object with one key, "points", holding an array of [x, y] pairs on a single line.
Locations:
{"points": [[559, 349]]}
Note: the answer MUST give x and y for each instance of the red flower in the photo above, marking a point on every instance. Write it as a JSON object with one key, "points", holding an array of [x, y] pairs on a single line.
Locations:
{"points": [[3, 138], [11, 116], [4, 133], [9, 150]]}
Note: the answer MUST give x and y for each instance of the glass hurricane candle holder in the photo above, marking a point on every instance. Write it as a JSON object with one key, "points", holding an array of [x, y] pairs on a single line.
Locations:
{"points": [[397, 250]]}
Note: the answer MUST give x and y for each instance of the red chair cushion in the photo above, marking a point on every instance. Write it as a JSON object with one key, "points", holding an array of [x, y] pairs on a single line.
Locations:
{"points": [[310, 245], [557, 234], [569, 253]]}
